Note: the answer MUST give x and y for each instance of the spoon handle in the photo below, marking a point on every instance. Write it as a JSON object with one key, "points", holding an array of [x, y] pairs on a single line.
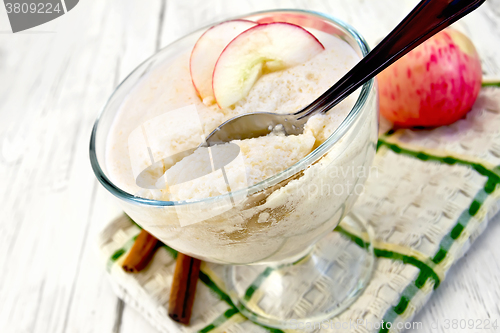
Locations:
{"points": [[425, 20]]}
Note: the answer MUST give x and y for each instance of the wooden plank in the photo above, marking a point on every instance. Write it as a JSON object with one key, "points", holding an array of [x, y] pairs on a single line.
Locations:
{"points": [[51, 190], [55, 282]]}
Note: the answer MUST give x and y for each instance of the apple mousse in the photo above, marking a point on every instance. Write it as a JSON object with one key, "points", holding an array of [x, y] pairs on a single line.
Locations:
{"points": [[188, 89]]}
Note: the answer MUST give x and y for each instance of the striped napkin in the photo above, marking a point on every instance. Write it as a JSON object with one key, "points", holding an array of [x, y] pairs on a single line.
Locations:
{"points": [[433, 195]]}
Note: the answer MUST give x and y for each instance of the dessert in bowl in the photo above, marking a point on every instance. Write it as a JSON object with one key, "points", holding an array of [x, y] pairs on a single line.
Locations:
{"points": [[264, 200]]}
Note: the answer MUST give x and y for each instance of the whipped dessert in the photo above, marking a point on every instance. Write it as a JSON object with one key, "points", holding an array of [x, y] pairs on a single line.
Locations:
{"points": [[152, 145]]}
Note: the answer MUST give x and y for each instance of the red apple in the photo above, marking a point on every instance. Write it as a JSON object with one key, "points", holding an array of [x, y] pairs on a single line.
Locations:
{"points": [[435, 84]]}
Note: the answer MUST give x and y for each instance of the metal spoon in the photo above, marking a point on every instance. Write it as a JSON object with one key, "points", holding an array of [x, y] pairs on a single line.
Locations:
{"points": [[425, 20]]}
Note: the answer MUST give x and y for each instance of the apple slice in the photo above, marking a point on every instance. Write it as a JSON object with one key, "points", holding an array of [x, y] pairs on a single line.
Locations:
{"points": [[263, 48], [207, 50]]}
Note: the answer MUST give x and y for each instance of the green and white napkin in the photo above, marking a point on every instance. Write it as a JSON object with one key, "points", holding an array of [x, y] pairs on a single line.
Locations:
{"points": [[432, 195]]}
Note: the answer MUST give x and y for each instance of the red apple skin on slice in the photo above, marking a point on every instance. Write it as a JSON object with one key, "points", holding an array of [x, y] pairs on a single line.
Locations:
{"points": [[302, 20], [207, 50], [263, 48]]}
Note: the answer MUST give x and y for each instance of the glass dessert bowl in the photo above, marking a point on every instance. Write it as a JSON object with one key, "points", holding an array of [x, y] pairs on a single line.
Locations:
{"points": [[283, 260]]}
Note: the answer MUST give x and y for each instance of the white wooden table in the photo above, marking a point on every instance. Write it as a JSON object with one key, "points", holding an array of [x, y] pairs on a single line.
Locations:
{"points": [[54, 79]]}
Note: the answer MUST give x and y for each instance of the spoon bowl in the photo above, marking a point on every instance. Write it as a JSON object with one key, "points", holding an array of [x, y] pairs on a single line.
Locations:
{"points": [[252, 125]]}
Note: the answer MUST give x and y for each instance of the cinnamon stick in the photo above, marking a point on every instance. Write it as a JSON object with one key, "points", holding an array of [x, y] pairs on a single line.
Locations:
{"points": [[184, 280], [183, 288], [141, 252]]}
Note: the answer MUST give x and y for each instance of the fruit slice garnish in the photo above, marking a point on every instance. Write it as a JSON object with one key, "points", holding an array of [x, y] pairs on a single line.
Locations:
{"points": [[207, 50], [260, 49]]}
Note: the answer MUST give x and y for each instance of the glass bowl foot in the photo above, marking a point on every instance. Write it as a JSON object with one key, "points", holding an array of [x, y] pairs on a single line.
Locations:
{"points": [[317, 287]]}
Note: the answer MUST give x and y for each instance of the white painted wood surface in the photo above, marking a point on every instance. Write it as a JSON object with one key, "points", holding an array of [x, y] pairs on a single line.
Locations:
{"points": [[54, 79]]}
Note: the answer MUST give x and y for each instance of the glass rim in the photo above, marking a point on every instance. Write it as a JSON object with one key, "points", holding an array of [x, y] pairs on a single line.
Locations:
{"points": [[339, 132]]}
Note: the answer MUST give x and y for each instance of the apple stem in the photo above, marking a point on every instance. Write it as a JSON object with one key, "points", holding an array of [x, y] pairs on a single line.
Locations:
{"points": [[491, 82]]}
